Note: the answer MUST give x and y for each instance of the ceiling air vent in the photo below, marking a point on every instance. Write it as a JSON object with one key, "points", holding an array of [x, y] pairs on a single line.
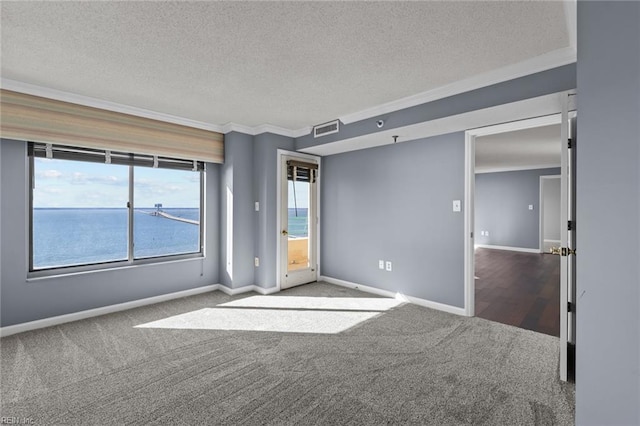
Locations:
{"points": [[326, 128]]}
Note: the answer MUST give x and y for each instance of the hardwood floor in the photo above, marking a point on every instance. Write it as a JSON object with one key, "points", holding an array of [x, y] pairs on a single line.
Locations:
{"points": [[520, 289]]}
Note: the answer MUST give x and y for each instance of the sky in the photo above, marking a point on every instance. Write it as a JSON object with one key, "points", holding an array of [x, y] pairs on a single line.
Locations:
{"points": [[301, 198], [76, 184], [60, 183]]}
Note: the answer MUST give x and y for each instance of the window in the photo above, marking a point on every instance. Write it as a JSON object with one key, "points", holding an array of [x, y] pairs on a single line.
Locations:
{"points": [[91, 207]]}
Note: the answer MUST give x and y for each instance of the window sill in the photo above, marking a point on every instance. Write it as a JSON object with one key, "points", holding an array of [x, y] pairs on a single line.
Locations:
{"points": [[108, 267]]}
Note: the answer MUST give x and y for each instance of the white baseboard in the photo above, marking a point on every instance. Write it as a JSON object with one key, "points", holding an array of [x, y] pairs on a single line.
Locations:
{"points": [[364, 288], [394, 295], [521, 249], [247, 289], [89, 313]]}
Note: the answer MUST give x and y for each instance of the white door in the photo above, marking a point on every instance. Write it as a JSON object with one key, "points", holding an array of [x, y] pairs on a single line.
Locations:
{"points": [[567, 249], [299, 220]]}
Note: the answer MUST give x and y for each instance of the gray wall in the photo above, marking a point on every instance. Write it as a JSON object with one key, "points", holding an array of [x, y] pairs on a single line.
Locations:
{"points": [[265, 163], [608, 214], [539, 84], [250, 172], [551, 196], [22, 301], [395, 203], [502, 207], [237, 175]]}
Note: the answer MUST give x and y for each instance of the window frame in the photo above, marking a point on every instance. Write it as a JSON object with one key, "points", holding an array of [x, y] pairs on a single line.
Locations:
{"points": [[114, 264]]}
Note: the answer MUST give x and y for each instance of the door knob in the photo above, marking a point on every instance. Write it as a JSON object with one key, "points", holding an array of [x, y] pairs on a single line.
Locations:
{"points": [[285, 232], [555, 250]]}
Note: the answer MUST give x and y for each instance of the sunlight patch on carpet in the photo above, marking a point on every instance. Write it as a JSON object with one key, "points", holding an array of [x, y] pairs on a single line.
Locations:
{"points": [[322, 303], [273, 320]]}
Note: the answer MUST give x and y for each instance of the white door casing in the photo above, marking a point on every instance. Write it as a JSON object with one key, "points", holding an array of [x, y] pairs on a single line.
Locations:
{"points": [[567, 237], [293, 274]]}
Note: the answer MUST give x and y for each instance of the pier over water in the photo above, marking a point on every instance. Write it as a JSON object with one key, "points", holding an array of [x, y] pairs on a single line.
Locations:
{"points": [[158, 212]]}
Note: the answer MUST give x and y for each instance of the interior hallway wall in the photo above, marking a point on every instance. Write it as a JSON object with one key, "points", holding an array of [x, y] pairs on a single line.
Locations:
{"points": [[551, 212], [502, 203]]}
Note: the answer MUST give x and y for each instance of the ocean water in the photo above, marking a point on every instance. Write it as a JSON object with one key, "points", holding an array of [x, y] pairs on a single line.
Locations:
{"points": [[298, 222], [65, 237]]}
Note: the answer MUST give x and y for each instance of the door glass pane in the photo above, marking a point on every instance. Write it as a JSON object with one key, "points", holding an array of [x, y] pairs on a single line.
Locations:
{"points": [[298, 225], [80, 213], [166, 219]]}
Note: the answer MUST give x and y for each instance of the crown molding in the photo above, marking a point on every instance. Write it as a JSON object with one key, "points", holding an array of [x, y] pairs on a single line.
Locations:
{"points": [[553, 59], [59, 95], [265, 128], [304, 131], [240, 128]]}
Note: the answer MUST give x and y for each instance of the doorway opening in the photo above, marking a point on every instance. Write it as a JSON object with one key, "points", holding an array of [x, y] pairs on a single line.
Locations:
{"points": [[517, 281], [475, 232]]}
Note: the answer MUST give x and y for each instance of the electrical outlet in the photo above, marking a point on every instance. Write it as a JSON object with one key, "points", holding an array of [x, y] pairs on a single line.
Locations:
{"points": [[256, 261], [530, 206], [389, 266], [381, 264], [486, 233]]}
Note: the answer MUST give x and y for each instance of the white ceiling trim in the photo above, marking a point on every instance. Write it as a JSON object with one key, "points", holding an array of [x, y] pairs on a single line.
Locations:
{"points": [[506, 113], [540, 63], [265, 128], [513, 126], [516, 168], [59, 95]]}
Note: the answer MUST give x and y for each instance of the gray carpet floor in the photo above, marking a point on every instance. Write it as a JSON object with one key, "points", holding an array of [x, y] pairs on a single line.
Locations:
{"points": [[403, 365]]}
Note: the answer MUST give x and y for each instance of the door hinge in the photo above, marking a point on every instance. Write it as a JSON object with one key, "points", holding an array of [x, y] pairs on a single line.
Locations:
{"points": [[570, 143], [570, 307], [570, 226]]}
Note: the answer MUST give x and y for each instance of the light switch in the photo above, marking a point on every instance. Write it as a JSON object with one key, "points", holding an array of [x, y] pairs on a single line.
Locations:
{"points": [[257, 206], [381, 264], [456, 205], [530, 206]]}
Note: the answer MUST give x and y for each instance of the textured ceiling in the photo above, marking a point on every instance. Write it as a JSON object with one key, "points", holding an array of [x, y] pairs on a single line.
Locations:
{"points": [[538, 146], [290, 64]]}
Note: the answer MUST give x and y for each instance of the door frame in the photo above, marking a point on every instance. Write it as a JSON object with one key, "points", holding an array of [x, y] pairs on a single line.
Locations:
{"points": [[567, 110], [541, 210], [469, 194], [281, 154]]}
